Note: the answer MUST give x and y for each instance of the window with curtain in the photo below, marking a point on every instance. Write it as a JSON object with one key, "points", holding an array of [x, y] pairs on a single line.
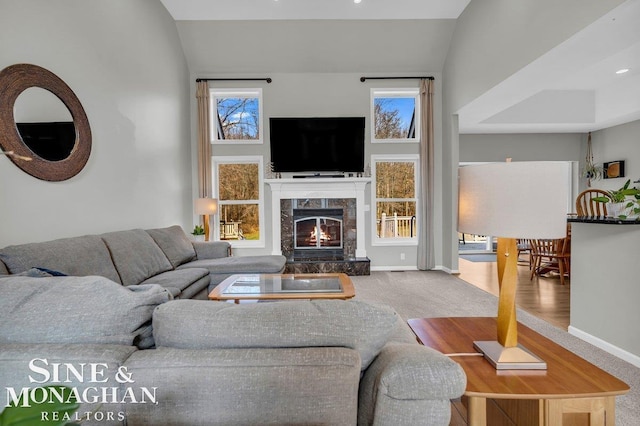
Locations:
{"points": [[394, 195], [236, 116], [395, 115], [237, 184]]}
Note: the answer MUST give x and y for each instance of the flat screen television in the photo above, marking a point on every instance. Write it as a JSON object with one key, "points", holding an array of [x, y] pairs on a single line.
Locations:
{"points": [[317, 144]]}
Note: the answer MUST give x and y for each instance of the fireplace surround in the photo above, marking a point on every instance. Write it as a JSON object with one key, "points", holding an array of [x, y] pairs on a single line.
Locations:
{"points": [[338, 199]]}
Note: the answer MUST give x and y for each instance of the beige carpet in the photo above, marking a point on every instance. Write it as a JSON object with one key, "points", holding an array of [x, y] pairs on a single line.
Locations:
{"points": [[416, 294]]}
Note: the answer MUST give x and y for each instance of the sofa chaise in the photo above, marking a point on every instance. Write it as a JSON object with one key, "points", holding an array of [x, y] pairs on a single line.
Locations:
{"points": [[136, 356], [164, 256]]}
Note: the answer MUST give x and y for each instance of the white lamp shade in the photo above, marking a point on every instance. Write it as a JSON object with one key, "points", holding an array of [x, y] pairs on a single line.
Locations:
{"points": [[206, 206], [514, 199]]}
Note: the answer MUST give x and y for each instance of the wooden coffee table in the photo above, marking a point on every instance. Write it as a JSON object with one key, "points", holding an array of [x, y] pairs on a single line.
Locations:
{"points": [[570, 388], [284, 286]]}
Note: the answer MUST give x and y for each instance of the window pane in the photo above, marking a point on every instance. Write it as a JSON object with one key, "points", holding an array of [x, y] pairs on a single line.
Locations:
{"points": [[401, 208], [238, 181], [396, 219], [395, 179], [239, 222], [394, 117], [238, 118]]}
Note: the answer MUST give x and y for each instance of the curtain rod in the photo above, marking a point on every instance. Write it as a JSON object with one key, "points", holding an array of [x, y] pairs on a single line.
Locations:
{"points": [[267, 79], [394, 78]]}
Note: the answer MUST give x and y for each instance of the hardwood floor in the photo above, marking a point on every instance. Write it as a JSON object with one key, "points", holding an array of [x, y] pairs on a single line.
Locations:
{"points": [[543, 297]]}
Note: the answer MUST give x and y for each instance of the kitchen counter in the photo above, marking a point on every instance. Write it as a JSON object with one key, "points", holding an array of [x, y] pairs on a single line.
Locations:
{"points": [[603, 220], [605, 289]]}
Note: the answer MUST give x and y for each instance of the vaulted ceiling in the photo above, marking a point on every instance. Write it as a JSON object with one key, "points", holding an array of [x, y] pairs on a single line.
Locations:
{"points": [[572, 88]]}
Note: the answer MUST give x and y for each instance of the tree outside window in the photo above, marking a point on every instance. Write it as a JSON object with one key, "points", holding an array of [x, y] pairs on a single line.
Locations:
{"points": [[395, 115], [236, 116], [239, 199], [395, 198]]}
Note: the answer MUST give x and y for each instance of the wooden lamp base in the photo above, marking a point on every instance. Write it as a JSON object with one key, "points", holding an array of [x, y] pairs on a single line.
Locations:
{"points": [[205, 219], [506, 353]]}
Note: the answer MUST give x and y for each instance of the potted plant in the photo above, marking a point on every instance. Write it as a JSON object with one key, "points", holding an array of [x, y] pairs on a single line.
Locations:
{"points": [[623, 203], [42, 402], [198, 233], [591, 171]]}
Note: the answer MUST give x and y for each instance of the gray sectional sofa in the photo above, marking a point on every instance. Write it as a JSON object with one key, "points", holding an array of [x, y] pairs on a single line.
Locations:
{"points": [[136, 354], [163, 256]]}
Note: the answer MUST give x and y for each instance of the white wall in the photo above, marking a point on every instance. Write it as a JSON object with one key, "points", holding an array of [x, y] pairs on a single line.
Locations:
{"points": [[124, 61], [617, 143], [521, 147], [604, 303], [492, 40]]}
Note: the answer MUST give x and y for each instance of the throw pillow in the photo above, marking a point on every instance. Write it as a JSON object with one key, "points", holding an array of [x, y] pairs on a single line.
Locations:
{"points": [[34, 272], [78, 256], [174, 243], [135, 255]]}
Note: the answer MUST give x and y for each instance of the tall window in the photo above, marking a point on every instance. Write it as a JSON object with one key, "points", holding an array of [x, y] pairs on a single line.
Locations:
{"points": [[395, 199], [236, 116], [238, 188], [396, 115]]}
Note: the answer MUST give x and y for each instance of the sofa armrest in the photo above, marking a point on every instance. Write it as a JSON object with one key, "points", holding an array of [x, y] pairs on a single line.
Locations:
{"points": [[211, 249], [408, 384]]}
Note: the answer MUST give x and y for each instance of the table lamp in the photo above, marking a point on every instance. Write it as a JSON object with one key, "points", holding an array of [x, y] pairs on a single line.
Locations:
{"points": [[512, 200], [206, 207]]}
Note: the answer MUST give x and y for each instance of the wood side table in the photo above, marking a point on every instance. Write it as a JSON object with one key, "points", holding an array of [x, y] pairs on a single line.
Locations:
{"points": [[571, 389]]}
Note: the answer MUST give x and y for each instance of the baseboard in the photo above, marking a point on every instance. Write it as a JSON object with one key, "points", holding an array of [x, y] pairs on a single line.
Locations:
{"points": [[606, 346], [391, 268], [447, 270]]}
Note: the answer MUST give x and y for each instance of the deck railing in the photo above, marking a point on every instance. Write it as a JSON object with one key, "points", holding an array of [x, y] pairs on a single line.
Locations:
{"points": [[396, 226], [231, 230]]}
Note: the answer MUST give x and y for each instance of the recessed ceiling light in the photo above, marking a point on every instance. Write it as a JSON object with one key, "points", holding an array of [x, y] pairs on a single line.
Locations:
{"points": [[357, 1], [622, 71]]}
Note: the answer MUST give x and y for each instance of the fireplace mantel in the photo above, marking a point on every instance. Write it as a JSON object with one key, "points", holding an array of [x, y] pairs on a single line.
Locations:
{"points": [[288, 188]]}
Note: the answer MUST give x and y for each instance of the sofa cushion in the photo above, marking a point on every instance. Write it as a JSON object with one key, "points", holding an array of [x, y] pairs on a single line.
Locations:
{"points": [[174, 243], [199, 324], [136, 256], [264, 386], [212, 249], [270, 264], [77, 310], [85, 255], [183, 283]]}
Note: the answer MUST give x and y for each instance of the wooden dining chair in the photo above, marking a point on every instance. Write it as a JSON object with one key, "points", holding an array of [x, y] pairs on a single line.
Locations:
{"points": [[585, 206], [524, 246], [551, 255]]}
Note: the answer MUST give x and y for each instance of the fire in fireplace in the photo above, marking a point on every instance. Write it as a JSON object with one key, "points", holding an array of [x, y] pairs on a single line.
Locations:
{"points": [[318, 233]]}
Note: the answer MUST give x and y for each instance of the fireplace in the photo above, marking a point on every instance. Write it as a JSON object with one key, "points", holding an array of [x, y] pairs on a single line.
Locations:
{"points": [[318, 234], [320, 198]]}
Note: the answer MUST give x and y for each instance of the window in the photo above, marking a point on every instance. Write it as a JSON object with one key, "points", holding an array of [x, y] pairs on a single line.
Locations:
{"points": [[236, 116], [395, 115], [238, 188], [395, 198]]}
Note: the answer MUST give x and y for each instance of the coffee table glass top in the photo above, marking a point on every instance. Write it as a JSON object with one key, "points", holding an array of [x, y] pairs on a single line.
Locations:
{"points": [[278, 284]]}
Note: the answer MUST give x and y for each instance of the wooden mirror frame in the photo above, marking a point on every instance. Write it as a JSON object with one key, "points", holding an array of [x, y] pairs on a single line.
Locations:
{"points": [[14, 80]]}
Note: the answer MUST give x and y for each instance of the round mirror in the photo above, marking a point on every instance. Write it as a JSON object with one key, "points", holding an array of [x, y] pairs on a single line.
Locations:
{"points": [[32, 99], [45, 124]]}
